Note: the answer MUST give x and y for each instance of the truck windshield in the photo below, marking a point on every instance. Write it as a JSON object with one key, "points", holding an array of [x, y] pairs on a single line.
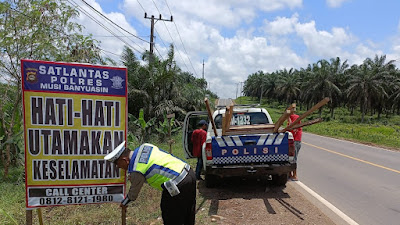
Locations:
{"points": [[247, 118]]}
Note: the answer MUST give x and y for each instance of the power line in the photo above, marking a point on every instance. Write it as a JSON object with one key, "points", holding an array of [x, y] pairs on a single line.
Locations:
{"points": [[181, 40], [184, 48], [112, 36], [112, 24], [100, 24], [141, 6], [110, 52], [112, 21], [159, 53], [173, 42], [158, 35], [61, 31]]}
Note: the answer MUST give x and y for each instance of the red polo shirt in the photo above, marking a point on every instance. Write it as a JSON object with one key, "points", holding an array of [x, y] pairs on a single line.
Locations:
{"points": [[296, 132], [199, 136]]}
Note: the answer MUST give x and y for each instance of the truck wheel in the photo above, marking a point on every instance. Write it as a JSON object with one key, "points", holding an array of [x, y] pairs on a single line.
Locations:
{"points": [[280, 180], [211, 181]]}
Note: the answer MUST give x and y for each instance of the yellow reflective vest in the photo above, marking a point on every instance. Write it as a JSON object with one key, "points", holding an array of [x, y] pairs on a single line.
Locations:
{"points": [[156, 165]]}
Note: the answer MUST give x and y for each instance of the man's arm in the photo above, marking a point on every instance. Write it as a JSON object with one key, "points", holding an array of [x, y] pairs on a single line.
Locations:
{"points": [[137, 180]]}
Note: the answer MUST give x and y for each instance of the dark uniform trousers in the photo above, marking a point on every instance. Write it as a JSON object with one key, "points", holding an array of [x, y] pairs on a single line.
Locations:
{"points": [[180, 209]]}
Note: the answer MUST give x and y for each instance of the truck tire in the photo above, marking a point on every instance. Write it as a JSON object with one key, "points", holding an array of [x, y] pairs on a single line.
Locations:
{"points": [[211, 181], [279, 180]]}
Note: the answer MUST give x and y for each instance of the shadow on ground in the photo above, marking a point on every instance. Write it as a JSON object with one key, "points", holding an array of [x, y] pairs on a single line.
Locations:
{"points": [[246, 189]]}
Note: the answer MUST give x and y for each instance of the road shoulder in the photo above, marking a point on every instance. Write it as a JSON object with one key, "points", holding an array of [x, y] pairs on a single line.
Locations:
{"points": [[337, 216]]}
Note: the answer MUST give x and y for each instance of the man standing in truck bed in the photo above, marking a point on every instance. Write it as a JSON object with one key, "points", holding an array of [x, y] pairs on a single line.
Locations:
{"points": [[198, 138], [297, 141]]}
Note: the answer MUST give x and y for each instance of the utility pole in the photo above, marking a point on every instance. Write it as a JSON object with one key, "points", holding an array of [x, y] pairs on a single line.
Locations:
{"points": [[203, 69], [241, 88], [237, 87], [153, 22]]}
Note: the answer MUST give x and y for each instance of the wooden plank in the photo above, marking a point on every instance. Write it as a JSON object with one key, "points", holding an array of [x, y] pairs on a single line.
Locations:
{"points": [[210, 116], [252, 127], [282, 119], [225, 120], [308, 123], [229, 118], [315, 107], [244, 132], [223, 124]]}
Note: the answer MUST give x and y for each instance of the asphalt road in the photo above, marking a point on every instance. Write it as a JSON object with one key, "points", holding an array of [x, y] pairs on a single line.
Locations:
{"points": [[224, 102], [362, 181]]}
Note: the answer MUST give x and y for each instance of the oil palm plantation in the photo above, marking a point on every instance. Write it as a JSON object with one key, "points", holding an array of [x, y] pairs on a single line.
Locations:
{"points": [[320, 83], [368, 83], [288, 85]]}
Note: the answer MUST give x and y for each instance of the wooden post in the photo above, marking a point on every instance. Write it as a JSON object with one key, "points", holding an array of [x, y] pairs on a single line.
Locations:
{"points": [[123, 215], [210, 116], [39, 212], [229, 118], [315, 107], [226, 119], [223, 124], [28, 217], [170, 141]]}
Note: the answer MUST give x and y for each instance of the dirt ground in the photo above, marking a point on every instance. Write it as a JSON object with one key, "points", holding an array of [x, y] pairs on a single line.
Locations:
{"points": [[256, 202]]}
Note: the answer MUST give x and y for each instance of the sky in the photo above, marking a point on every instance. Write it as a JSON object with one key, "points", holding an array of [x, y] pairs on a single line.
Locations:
{"points": [[236, 38]]}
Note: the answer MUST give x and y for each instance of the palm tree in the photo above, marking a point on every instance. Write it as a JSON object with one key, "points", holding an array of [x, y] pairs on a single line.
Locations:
{"points": [[386, 71], [338, 72], [255, 85], [288, 86], [320, 83], [367, 82], [271, 84]]}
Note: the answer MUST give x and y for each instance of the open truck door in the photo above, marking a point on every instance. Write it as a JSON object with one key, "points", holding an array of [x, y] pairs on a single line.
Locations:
{"points": [[189, 125]]}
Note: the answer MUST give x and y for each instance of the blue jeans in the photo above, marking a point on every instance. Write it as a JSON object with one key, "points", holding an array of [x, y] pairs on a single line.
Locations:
{"points": [[199, 166], [297, 146]]}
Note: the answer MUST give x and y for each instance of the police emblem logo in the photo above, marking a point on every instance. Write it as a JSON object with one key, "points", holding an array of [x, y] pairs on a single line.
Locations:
{"points": [[31, 75], [117, 82]]}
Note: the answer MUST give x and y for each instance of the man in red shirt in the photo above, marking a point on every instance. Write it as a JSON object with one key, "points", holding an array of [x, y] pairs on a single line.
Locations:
{"points": [[199, 136], [297, 141]]}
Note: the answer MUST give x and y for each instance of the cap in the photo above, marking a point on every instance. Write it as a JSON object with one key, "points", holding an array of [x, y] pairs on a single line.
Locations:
{"points": [[202, 122], [116, 153]]}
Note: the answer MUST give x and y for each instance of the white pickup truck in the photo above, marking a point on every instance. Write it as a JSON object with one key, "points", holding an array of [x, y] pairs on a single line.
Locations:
{"points": [[258, 155]]}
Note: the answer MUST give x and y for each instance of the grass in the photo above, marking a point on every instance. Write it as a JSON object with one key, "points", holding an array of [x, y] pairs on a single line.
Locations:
{"points": [[145, 210], [384, 131]]}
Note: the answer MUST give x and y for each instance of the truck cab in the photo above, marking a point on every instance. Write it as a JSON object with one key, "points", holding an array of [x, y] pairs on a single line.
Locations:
{"points": [[256, 154]]}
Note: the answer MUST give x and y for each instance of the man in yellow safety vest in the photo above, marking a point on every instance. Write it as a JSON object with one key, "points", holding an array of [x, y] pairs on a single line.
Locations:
{"points": [[164, 172]]}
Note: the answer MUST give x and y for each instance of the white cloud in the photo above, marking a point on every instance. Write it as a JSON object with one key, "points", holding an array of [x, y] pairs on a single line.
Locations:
{"points": [[236, 58], [323, 43], [225, 13], [281, 25], [225, 34], [335, 3]]}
